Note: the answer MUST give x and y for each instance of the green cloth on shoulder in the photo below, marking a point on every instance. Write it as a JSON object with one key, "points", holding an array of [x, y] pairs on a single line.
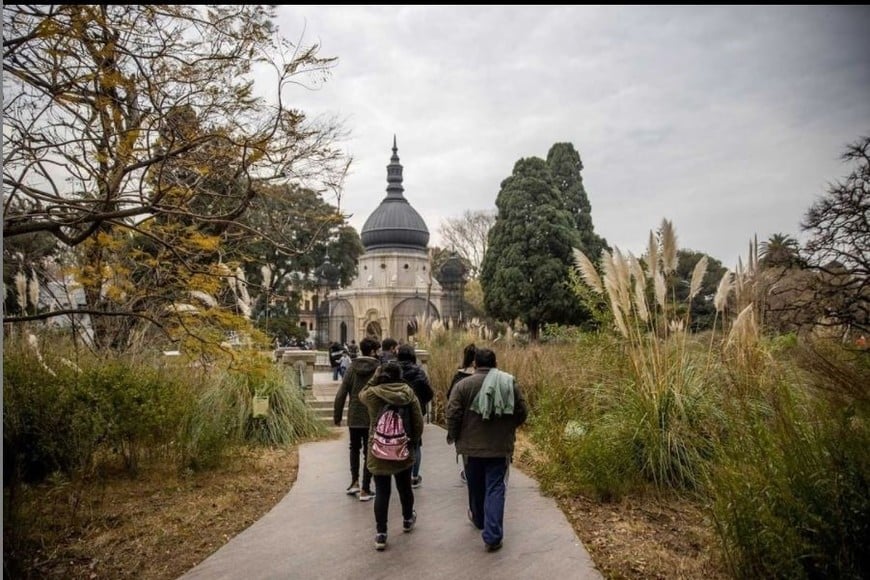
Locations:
{"points": [[496, 395]]}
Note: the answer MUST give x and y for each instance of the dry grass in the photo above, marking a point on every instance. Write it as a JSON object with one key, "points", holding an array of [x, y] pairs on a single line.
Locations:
{"points": [[640, 537], [157, 526]]}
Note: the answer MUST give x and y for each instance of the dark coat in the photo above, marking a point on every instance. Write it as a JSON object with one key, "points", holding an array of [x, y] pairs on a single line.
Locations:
{"points": [[374, 397], [473, 436], [358, 374], [460, 374], [415, 376], [335, 352]]}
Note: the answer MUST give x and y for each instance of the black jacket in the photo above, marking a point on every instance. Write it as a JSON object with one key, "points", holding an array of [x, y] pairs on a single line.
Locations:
{"points": [[414, 375]]}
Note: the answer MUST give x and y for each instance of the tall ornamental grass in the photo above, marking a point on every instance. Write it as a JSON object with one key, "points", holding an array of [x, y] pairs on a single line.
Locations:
{"points": [[67, 412], [790, 492], [663, 409]]}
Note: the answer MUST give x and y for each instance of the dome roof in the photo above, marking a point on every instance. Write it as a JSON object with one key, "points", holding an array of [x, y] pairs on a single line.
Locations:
{"points": [[452, 270], [394, 223]]}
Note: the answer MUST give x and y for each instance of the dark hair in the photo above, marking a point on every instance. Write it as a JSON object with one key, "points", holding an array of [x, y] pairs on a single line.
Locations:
{"points": [[468, 355], [368, 346], [389, 343], [484, 358], [407, 353], [389, 372]]}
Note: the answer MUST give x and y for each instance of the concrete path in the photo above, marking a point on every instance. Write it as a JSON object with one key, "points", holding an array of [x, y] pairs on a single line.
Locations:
{"points": [[318, 532]]}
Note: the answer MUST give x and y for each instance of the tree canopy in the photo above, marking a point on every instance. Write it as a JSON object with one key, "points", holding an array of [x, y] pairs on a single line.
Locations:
{"points": [[526, 269], [839, 245], [565, 166], [780, 250], [702, 311], [468, 236], [135, 137]]}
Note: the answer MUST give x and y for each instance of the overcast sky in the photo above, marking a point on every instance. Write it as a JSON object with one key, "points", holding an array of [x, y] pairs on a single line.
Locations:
{"points": [[729, 121]]}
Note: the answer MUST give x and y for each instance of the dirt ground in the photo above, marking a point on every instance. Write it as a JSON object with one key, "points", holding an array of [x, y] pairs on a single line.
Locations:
{"points": [[160, 525]]}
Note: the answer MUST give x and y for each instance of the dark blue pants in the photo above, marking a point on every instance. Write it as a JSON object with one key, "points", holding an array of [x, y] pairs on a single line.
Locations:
{"points": [[486, 493]]}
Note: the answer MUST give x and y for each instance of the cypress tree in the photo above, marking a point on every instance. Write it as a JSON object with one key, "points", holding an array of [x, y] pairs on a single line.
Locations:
{"points": [[525, 272], [565, 166]]}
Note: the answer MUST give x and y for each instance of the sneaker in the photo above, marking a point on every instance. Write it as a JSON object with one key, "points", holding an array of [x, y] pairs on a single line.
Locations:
{"points": [[493, 547], [380, 542], [417, 481], [353, 488], [366, 495], [408, 525]]}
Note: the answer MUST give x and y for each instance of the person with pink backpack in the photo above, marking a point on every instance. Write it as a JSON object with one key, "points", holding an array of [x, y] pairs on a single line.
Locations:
{"points": [[395, 427]]}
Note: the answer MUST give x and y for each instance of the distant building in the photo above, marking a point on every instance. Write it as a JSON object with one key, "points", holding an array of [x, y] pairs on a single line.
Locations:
{"points": [[394, 293], [60, 293]]}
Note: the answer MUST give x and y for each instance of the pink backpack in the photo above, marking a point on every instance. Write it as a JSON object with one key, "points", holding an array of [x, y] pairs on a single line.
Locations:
{"points": [[390, 441]]}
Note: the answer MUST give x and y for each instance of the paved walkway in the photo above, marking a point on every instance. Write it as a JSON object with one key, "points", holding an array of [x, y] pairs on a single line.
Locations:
{"points": [[318, 532]]}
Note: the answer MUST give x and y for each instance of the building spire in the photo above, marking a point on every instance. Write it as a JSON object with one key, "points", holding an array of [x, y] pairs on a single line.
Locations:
{"points": [[394, 174]]}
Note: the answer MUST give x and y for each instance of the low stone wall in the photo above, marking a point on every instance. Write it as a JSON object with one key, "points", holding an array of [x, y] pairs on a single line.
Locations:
{"points": [[304, 362]]}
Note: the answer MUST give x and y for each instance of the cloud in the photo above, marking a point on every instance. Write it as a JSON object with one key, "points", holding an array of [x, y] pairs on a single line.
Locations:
{"points": [[727, 120]]}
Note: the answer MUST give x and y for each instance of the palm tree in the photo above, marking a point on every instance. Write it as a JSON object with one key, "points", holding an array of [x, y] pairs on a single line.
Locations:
{"points": [[780, 250]]}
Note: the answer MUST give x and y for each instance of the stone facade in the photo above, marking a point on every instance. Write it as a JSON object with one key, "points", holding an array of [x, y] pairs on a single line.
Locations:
{"points": [[394, 293]]}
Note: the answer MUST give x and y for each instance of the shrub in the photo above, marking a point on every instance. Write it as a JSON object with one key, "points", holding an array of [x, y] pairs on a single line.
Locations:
{"points": [[792, 498], [49, 423], [224, 415]]}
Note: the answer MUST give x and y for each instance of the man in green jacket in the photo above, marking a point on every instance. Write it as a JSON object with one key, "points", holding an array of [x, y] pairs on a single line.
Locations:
{"points": [[483, 414], [361, 369]]}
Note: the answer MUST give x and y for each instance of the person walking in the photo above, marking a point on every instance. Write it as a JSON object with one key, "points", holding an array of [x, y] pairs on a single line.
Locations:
{"points": [[361, 370], [353, 349], [415, 377], [335, 352], [388, 349], [465, 370], [482, 415], [387, 388], [344, 364]]}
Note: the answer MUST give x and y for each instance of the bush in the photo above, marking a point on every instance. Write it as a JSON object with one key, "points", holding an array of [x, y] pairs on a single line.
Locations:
{"points": [[58, 414], [791, 492], [224, 414], [49, 423], [794, 501]]}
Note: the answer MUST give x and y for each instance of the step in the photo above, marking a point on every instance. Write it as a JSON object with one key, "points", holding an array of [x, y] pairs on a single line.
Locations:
{"points": [[323, 408]]}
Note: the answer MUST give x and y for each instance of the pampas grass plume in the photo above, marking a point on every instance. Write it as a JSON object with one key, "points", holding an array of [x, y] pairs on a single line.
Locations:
{"points": [[697, 277], [669, 247], [588, 271], [722, 292]]}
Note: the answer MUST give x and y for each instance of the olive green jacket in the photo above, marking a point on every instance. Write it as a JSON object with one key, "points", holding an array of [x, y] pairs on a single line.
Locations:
{"points": [[474, 436], [374, 397]]}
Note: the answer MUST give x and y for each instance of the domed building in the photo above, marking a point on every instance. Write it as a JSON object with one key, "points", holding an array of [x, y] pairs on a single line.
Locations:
{"points": [[394, 293]]}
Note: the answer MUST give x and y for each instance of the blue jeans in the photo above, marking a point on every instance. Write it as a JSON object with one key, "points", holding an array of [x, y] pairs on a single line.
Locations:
{"points": [[486, 494], [334, 373]]}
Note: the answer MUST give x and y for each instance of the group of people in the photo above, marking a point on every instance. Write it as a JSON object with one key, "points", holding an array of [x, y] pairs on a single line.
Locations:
{"points": [[484, 408], [340, 357]]}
